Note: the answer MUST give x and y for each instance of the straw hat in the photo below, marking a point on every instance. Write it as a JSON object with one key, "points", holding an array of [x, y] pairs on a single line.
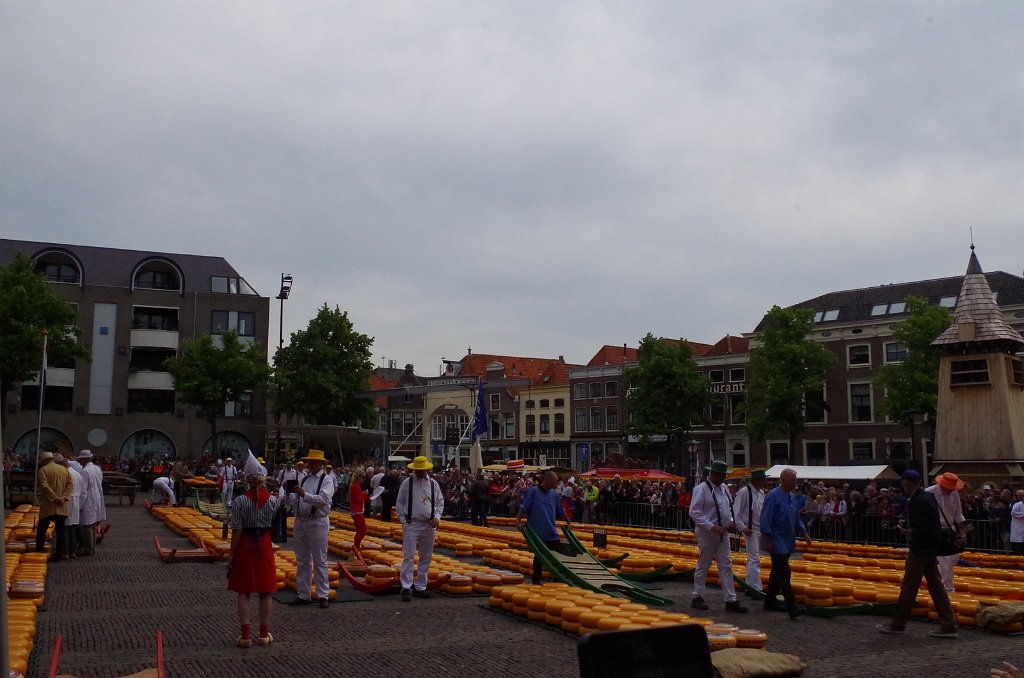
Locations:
{"points": [[314, 455], [949, 481], [85, 454], [46, 456], [420, 464]]}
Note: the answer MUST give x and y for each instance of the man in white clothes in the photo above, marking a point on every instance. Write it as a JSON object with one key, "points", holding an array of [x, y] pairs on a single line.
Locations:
{"points": [[71, 532], [376, 505], [420, 505], [226, 478], [311, 498], [163, 491], [951, 516], [747, 512], [711, 512], [92, 510], [290, 473], [1017, 524]]}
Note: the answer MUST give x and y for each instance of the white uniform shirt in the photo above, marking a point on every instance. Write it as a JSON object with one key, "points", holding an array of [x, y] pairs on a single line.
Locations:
{"points": [[949, 505], [1017, 522], [316, 504], [747, 513], [703, 509], [420, 491], [163, 483], [92, 509]]}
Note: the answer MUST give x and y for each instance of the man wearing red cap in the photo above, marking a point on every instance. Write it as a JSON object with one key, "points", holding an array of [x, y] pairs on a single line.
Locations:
{"points": [[947, 496]]}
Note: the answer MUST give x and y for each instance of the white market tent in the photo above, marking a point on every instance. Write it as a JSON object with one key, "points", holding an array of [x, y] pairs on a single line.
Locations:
{"points": [[399, 457], [873, 472]]}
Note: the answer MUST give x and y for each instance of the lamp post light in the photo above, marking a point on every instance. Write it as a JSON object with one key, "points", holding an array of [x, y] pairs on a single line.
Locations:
{"points": [[286, 288]]}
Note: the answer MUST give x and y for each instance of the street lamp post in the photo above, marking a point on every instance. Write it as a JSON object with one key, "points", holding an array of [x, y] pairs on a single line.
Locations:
{"points": [[286, 288], [691, 467]]}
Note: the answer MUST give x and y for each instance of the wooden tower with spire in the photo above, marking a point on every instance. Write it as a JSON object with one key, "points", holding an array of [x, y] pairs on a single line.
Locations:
{"points": [[980, 417]]}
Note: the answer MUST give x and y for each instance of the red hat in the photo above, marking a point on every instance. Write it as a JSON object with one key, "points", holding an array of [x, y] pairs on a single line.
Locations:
{"points": [[949, 481]]}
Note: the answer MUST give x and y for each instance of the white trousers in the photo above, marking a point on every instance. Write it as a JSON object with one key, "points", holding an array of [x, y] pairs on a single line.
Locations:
{"points": [[417, 537], [710, 547], [227, 493], [158, 494], [310, 539], [754, 559], [946, 564]]}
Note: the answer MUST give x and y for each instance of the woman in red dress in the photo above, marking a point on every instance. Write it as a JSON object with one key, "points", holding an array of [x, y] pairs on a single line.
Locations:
{"points": [[356, 505], [251, 567]]}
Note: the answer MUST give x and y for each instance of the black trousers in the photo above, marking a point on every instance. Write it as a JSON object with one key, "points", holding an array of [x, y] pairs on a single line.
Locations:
{"points": [[387, 502], [60, 541], [780, 580], [538, 566], [478, 511]]}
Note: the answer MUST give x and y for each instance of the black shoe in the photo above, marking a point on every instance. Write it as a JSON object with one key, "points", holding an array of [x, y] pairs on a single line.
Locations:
{"points": [[323, 603], [421, 593], [699, 604], [736, 606], [406, 596], [794, 612], [535, 582], [772, 606], [301, 601]]}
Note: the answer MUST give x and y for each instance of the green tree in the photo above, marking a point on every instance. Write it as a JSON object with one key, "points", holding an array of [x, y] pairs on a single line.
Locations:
{"points": [[785, 366], [322, 367], [28, 306], [912, 386], [671, 395], [208, 376]]}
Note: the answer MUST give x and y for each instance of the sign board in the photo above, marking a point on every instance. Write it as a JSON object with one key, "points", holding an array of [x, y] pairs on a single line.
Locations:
{"points": [[454, 381], [583, 448], [542, 460], [653, 438], [727, 388]]}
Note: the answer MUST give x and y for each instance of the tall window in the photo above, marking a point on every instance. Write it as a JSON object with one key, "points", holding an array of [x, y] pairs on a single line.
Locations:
{"points": [[531, 424], [495, 402], [862, 450], [529, 404], [244, 322], [595, 389], [545, 424], [895, 352], [559, 423], [581, 419], [860, 402], [496, 426], [778, 452], [612, 418], [579, 391], [736, 408], [437, 427], [817, 453], [814, 406], [717, 410], [611, 389], [596, 419], [859, 355], [739, 455], [510, 426]]}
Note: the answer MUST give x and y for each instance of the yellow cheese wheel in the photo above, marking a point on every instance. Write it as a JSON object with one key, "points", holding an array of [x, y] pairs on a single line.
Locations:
{"points": [[570, 627], [818, 592], [843, 600], [537, 603], [458, 590], [818, 602], [494, 601], [572, 614], [590, 618], [611, 623], [534, 615]]}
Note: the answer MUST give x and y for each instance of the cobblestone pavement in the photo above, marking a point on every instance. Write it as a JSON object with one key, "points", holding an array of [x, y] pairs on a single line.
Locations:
{"points": [[109, 607]]}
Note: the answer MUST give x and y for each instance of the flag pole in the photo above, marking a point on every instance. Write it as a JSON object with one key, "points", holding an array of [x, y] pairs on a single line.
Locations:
{"points": [[39, 420]]}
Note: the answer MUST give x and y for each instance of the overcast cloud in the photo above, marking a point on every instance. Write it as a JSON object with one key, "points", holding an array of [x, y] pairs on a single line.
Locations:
{"points": [[525, 178]]}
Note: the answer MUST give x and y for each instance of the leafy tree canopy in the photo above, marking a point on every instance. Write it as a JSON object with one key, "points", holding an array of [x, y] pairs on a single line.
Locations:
{"points": [[785, 366], [208, 376], [671, 393], [322, 367], [28, 306], [912, 386]]}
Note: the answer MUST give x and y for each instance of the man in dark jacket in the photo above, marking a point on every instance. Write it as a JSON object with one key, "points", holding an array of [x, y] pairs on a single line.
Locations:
{"points": [[479, 493], [925, 537]]}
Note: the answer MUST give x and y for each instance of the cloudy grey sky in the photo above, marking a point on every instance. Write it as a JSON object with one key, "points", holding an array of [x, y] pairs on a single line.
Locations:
{"points": [[525, 178]]}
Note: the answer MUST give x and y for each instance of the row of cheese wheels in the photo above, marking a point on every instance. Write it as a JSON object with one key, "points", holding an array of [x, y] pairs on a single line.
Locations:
{"points": [[21, 632], [582, 612]]}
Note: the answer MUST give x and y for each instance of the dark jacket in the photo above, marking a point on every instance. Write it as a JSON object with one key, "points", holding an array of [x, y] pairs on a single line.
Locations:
{"points": [[925, 527]]}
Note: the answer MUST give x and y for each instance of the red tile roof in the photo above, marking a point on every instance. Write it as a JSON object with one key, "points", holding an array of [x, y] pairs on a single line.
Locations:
{"points": [[729, 345], [517, 367], [378, 383], [613, 355]]}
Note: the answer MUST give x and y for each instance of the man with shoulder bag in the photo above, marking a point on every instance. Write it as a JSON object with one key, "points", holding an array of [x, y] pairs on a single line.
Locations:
{"points": [[947, 496]]}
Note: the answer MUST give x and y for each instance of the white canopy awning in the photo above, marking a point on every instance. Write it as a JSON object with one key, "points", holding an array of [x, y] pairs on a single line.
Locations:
{"points": [[873, 472], [398, 457]]}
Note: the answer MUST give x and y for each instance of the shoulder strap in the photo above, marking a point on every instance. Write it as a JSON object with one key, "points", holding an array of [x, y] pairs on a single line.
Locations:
{"points": [[408, 515], [312, 509], [718, 509], [750, 508]]}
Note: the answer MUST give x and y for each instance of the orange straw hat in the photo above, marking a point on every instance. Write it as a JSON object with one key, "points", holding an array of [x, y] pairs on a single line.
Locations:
{"points": [[949, 481]]}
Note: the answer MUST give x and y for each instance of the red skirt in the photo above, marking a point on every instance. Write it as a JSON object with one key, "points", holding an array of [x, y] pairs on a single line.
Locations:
{"points": [[253, 569]]}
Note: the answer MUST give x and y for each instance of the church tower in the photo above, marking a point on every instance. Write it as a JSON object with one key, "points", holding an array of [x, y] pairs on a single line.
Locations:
{"points": [[980, 416]]}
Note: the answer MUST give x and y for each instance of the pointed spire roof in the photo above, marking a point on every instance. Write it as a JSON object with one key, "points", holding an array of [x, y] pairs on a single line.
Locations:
{"points": [[977, 317]]}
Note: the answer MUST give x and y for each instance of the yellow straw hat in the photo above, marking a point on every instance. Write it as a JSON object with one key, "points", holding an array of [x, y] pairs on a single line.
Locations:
{"points": [[314, 455], [420, 464]]}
